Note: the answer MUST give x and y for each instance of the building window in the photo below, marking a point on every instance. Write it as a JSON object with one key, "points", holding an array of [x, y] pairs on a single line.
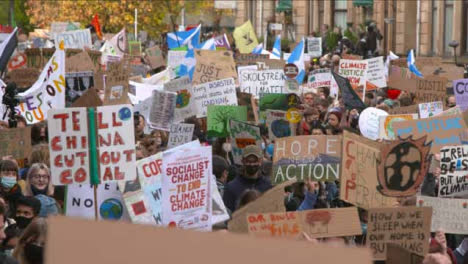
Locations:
{"points": [[339, 13], [251, 11], [321, 11], [311, 17], [435, 25], [448, 24]]}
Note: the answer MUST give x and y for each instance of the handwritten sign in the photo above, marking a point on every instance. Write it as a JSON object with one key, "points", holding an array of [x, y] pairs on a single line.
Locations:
{"points": [[355, 71], [453, 184], [359, 173], [213, 65], [76, 39], [411, 109], [376, 72], [369, 122], [430, 109], [453, 158], [386, 124], [186, 189], [447, 214], [397, 254], [219, 116], [184, 102], [180, 134], [243, 134], [175, 59], [15, 142], [314, 47], [220, 92], [278, 125], [406, 226], [149, 174], [307, 157], [259, 82], [460, 89], [162, 110], [321, 78], [116, 84]]}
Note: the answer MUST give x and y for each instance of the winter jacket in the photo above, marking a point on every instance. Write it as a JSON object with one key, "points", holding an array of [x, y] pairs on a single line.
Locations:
{"points": [[235, 188]]}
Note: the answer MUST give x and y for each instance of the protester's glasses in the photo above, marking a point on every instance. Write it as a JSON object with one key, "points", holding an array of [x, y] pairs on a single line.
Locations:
{"points": [[40, 177]]}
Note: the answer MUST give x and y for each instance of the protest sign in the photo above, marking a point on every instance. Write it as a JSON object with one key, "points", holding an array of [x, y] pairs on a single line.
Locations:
{"points": [[245, 37], [461, 93], [350, 98], [175, 59], [259, 82], [219, 116], [154, 57], [222, 42], [219, 212], [278, 101], [90, 98], [314, 47], [184, 102], [80, 200], [386, 124], [24, 77], [17, 61], [430, 109], [116, 84], [242, 135], [408, 227], [138, 207], [249, 59], [162, 110], [219, 92], [134, 48], [359, 173], [376, 72], [213, 65], [440, 130], [448, 214], [143, 91], [180, 134], [397, 254], [77, 83], [321, 78], [114, 240], [15, 142], [451, 111], [278, 125], [272, 201], [240, 69], [411, 109], [247, 100], [402, 167], [186, 188], [453, 158], [76, 39], [316, 223], [355, 71], [149, 174], [453, 184], [369, 122], [314, 158]]}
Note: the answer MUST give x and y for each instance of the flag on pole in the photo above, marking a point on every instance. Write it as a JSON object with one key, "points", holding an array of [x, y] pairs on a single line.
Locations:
{"points": [[97, 26], [258, 49], [245, 38], [7, 48], [412, 64], [390, 57], [297, 58], [119, 42], [183, 38], [276, 52], [188, 65]]}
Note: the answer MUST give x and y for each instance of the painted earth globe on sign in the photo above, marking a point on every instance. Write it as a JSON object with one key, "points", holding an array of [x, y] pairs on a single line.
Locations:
{"points": [[111, 209], [280, 128], [402, 166]]}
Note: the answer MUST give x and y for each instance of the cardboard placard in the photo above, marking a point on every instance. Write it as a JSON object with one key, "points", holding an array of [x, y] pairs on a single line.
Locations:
{"points": [[405, 226], [355, 71], [134, 48], [80, 62], [262, 81], [447, 214], [24, 77], [247, 100], [314, 47], [76, 39], [404, 110], [15, 142], [316, 223], [186, 188], [453, 184], [440, 130], [443, 69], [80, 202], [242, 135], [359, 173], [460, 90], [386, 124], [59, 27], [90, 98], [162, 110], [180, 134], [278, 125], [453, 158], [77, 83], [213, 65], [220, 92], [430, 109], [114, 239], [316, 158], [270, 201], [369, 122], [249, 59], [397, 254], [184, 103], [116, 84], [219, 116]]}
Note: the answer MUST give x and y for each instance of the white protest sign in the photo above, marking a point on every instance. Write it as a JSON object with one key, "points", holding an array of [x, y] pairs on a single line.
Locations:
{"points": [[158, 78], [143, 91], [369, 122], [76, 39], [314, 47], [143, 108], [241, 69], [219, 212], [149, 172], [430, 109], [59, 27], [138, 207], [80, 202], [376, 72], [184, 104], [321, 78], [454, 184], [258, 82], [449, 215], [453, 158], [354, 70], [186, 188], [180, 134], [162, 110], [220, 92], [175, 59]]}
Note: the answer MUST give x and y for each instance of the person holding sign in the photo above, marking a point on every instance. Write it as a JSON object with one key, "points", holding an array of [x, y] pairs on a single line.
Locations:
{"points": [[251, 177]]}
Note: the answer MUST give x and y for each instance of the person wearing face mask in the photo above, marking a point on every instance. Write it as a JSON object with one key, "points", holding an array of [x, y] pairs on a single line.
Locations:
{"points": [[39, 185], [251, 176], [10, 185], [30, 248], [27, 208]]}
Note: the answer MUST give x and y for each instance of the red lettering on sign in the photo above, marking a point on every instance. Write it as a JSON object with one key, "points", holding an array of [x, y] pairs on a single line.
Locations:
{"points": [[128, 153], [55, 143], [115, 123], [65, 177], [64, 117], [101, 125], [71, 142], [76, 121]]}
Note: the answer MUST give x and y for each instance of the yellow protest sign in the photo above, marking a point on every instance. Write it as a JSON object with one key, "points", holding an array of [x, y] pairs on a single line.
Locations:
{"points": [[245, 38]]}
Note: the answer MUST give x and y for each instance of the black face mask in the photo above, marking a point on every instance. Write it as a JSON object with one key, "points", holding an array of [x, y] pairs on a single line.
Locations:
{"points": [[251, 169], [22, 222], [37, 191], [34, 254]]}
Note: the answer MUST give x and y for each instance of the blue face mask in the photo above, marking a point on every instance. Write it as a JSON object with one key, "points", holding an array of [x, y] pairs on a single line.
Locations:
{"points": [[364, 228], [8, 182]]}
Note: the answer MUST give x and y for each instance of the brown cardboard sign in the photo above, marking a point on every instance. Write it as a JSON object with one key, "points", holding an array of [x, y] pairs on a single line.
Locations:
{"points": [[90, 98], [154, 57], [15, 142], [359, 173], [244, 59], [397, 255], [316, 223], [114, 239], [403, 165], [405, 226], [411, 109], [213, 65], [80, 62], [246, 99], [24, 77], [449, 71], [116, 84], [270, 201]]}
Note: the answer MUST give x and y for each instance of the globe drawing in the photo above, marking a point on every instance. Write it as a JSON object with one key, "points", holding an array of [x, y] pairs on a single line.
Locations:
{"points": [[111, 209]]}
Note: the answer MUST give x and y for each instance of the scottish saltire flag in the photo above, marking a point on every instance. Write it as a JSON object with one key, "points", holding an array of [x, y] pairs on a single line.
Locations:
{"points": [[276, 52], [297, 58], [183, 38], [188, 65], [412, 64], [258, 49]]}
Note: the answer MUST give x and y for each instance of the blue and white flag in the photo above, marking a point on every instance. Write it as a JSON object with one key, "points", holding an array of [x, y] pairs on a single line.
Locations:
{"points": [[183, 38], [412, 64], [258, 49], [297, 58], [276, 52], [188, 65]]}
